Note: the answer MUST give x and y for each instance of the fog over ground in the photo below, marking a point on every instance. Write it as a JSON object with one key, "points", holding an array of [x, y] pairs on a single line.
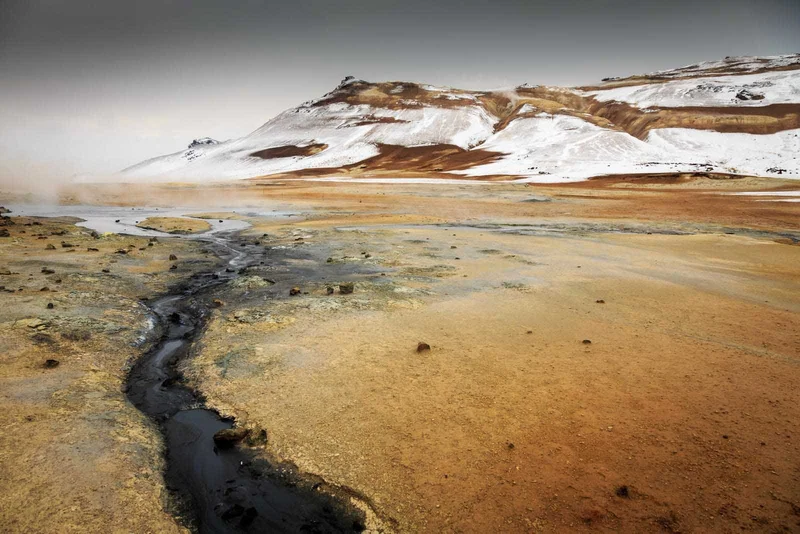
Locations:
{"points": [[95, 86]]}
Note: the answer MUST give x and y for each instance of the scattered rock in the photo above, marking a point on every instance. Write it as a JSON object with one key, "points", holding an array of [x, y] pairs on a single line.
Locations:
{"points": [[64, 244], [329, 290], [329, 260], [106, 270], [294, 291], [173, 257], [600, 301], [227, 437], [423, 347], [173, 267], [50, 306], [347, 288], [622, 491], [50, 246], [92, 249], [587, 341], [510, 446], [217, 303], [45, 270], [121, 251], [4, 233], [50, 364], [45, 288]]}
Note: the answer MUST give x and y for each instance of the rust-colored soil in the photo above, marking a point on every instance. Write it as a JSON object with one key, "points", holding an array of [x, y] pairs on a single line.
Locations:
{"points": [[289, 151]]}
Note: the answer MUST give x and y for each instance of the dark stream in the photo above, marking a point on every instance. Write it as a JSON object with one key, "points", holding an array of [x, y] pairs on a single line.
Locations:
{"points": [[222, 489]]}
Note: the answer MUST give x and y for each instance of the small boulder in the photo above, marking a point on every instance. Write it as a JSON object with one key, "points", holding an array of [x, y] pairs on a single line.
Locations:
{"points": [[329, 290], [347, 288], [217, 303], [173, 267], [45, 270], [587, 341], [50, 246], [228, 437], [173, 257], [294, 291], [423, 347], [51, 364]]}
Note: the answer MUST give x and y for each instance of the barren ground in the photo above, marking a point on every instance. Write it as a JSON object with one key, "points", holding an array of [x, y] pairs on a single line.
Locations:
{"points": [[679, 415]]}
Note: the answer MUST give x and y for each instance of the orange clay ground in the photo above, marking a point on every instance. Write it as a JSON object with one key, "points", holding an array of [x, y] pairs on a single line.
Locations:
{"points": [[617, 355]]}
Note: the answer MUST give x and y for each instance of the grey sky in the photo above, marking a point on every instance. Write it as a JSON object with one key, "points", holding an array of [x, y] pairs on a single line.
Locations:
{"points": [[94, 86]]}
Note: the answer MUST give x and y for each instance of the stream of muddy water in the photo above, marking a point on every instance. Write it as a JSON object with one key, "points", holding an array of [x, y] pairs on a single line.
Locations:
{"points": [[215, 489], [222, 489]]}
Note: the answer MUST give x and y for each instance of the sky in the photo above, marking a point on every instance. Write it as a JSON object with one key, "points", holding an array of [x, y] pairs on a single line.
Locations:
{"points": [[91, 87]]}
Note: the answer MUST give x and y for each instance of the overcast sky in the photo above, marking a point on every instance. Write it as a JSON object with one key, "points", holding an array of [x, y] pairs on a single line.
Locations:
{"points": [[95, 86]]}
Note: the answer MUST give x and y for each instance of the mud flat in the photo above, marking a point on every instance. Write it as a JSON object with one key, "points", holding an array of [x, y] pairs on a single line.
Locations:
{"points": [[619, 355]]}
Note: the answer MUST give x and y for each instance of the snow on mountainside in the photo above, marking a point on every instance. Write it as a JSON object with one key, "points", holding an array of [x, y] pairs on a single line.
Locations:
{"points": [[739, 115]]}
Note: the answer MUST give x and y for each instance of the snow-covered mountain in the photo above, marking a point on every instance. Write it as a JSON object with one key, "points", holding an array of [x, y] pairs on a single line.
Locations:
{"points": [[740, 116]]}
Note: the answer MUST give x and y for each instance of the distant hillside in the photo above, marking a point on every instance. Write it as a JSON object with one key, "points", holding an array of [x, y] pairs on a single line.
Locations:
{"points": [[737, 116]]}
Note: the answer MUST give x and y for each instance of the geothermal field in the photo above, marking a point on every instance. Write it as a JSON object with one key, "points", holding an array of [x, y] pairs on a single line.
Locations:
{"points": [[408, 308]]}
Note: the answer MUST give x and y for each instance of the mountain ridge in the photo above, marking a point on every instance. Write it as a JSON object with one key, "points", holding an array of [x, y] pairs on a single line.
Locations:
{"points": [[735, 116]]}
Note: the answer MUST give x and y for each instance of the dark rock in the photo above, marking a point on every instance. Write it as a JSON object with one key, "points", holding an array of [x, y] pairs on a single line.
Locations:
{"points": [[423, 347], [746, 94], [587, 341], [173, 267], [45, 270], [233, 512], [294, 291], [64, 244], [173, 257], [229, 270], [347, 288], [622, 491], [50, 246], [121, 251], [50, 306], [329, 260], [217, 303], [329, 290], [227, 437], [45, 288], [91, 249], [4, 233], [600, 301], [106, 270], [50, 364]]}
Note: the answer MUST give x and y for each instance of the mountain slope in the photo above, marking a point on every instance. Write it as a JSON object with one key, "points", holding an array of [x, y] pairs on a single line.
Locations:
{"points": [[739, 115]]}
